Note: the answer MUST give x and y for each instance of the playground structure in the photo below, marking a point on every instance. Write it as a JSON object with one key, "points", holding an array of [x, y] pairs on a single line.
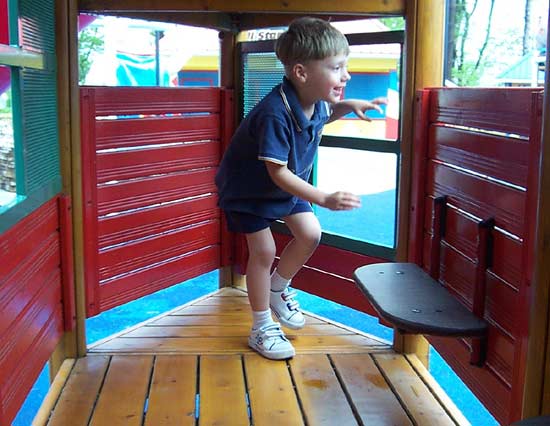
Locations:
{"points": [[472, 188]]}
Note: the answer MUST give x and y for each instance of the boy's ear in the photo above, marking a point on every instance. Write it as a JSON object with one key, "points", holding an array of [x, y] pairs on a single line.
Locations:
{"points": [[299, 72]]}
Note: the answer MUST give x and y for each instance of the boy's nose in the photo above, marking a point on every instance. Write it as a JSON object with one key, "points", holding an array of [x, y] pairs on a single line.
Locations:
{"points": [[346, 76]]}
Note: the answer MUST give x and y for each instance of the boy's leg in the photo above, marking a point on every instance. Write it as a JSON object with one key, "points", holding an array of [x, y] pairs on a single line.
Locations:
{"points": [[266, 336], [261, 253], [306, 230]]}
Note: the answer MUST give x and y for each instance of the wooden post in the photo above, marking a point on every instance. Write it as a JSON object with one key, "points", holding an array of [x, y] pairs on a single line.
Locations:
{"points": [[67, 347], [536, 396], [71, 75], [424, 68]]}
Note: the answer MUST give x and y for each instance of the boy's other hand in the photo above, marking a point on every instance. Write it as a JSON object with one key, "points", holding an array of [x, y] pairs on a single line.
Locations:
{"points": [[342, 201], [360, 107]]}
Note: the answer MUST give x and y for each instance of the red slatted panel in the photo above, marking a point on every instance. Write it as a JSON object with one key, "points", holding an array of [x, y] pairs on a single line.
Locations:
{"points": [[151, 218], [328, 274], [500, 110], [482, 155], [147, 131], [32, 320]]}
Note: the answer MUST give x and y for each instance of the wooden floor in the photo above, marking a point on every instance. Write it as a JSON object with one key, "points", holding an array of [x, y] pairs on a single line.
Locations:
{"points": [[192, 366]]}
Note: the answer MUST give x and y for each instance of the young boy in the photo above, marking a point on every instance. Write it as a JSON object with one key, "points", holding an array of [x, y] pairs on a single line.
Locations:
{"points": [[264, 174]]}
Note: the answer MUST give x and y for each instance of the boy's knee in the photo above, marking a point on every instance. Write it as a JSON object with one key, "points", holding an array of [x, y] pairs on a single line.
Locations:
{"points": [[264, 255], [311, 237]]}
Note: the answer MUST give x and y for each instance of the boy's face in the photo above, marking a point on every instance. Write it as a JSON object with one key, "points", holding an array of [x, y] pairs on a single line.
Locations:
{"points": [[325, 79]]}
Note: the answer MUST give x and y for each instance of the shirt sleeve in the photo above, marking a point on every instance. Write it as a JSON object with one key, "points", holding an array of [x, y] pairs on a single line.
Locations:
{"points": [[274, 141]]}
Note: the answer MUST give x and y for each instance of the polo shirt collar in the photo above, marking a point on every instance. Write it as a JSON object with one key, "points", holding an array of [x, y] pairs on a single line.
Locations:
{"points": [[292, 104]]}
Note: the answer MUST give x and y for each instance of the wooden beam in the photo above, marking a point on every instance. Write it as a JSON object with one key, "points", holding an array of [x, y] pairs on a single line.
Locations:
{"points": [[71, 73], [248, 21], [228, 22], [386, 7], [536, 397], [216, 21], [424, 68]]}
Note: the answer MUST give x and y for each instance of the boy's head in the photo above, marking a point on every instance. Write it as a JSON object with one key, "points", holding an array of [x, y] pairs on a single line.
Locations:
{"points": [[309, 39]]}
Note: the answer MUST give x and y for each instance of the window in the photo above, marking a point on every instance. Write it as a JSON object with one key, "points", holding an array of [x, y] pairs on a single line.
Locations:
{"points": [[354, 155], [361, 156], [30, 172]]}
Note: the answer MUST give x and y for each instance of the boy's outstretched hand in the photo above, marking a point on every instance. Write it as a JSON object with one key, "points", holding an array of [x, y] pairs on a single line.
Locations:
{"points": [[342, 201], [359, 107]]}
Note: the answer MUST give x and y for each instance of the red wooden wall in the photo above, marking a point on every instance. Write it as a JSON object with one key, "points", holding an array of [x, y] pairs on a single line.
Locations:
{"points": [[31, 296], [149, 156], [480, 149]]}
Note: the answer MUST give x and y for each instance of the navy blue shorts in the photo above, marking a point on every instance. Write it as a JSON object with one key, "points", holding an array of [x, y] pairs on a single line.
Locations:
{"points": [[247, 223]]}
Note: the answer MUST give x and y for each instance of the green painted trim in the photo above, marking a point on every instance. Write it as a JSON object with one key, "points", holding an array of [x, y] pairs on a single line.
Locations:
{"points": [[17, 57], [17, 118], [22, 206], [13, 17], [362, 144]]}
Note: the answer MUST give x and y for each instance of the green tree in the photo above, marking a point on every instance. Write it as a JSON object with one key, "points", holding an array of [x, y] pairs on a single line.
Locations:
{"points": [[89, 41], [465, 68], [394, 23]]}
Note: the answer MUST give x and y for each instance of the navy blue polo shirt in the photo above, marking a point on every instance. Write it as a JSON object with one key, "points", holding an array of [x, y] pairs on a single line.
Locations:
{"points": [[276, 130]]}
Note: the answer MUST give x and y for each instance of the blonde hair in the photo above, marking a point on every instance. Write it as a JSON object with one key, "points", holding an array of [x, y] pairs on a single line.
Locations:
{"points": [[309, 39]]}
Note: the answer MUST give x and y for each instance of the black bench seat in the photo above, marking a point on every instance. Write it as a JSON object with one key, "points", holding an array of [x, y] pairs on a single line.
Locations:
{"points": [[413, 302]]}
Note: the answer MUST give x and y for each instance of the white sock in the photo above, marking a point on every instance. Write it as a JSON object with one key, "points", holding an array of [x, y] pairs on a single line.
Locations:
{"points": [[278, 283], [261, 318]]}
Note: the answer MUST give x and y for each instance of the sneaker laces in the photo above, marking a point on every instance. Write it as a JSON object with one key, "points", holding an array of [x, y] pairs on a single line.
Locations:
{"points": [[288, 297]]}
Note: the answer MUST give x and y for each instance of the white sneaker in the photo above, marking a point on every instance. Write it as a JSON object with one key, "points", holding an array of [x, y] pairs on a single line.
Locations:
{"points": [[270, 341], [286, 309]]}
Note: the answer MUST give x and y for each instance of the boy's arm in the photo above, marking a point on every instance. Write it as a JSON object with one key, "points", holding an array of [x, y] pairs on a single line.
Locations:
{"points": [[358, 106], [289, 182]]}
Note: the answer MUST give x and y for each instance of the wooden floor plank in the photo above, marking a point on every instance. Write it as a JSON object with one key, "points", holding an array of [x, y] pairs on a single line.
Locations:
{"points": [[241, 319], [323, 399], [228, 331], [372, 397], [214, 300], [222, 392], [122, 398], [238, 344], [225, 309], [172, 392], [411, 390], [76, 402], [230, 292], [271, 393], [437, 390], [229, 319]]}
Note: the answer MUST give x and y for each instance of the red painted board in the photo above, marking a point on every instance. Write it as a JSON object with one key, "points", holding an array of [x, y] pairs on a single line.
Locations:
{"points": [[150, 191], [128, 133], [31, 323], [121, 165], [497, 156], [478, 196], [140, 283], [495, 109], [143, 253], [155, 100], [142, 223]]}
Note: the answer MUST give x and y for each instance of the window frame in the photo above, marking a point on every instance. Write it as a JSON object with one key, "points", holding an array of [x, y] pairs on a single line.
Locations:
{"points": [[18, 58]]}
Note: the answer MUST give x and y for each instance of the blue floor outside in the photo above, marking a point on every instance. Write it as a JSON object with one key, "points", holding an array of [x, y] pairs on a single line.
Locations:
{"points": [[122, 317]]}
